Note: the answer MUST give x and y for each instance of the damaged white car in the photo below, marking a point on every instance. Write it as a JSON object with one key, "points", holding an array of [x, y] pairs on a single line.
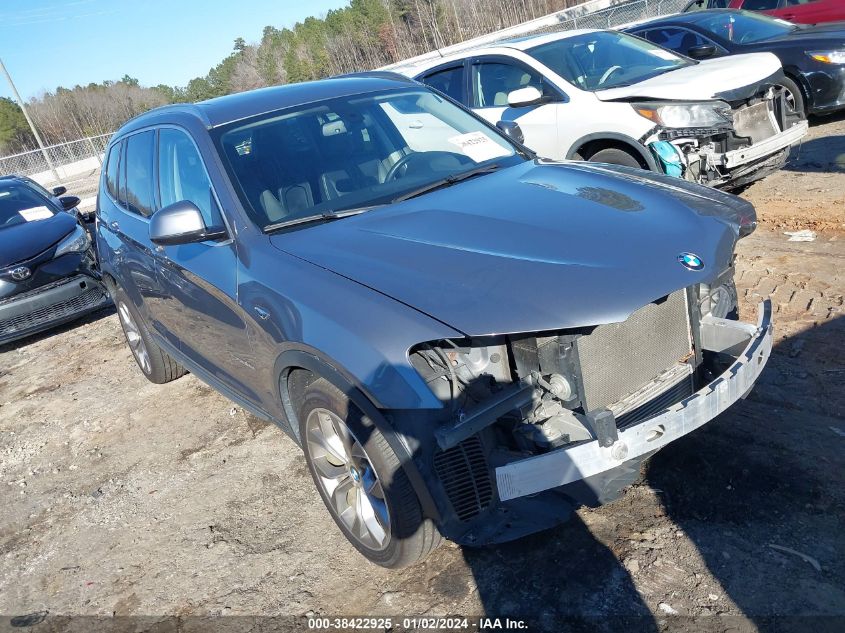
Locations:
{"points": [[614, 98]]}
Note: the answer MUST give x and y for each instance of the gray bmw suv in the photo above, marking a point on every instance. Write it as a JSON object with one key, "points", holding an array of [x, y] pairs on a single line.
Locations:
{"points": [[465, 340]]}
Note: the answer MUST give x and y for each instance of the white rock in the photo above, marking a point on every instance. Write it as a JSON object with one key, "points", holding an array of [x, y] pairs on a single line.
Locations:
{"points": [[668, 610]]}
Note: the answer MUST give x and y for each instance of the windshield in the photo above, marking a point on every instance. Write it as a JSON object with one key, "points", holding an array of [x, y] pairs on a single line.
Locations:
{"points": [[19, 204], [744, 28], [605, 59], [354, 152]]}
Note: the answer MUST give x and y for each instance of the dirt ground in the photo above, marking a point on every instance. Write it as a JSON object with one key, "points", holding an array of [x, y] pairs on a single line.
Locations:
{"points": [[126, 498]]}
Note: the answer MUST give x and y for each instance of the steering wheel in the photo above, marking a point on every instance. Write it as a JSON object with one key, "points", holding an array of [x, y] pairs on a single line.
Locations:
{"points": [[404, 162], [608, 73]]}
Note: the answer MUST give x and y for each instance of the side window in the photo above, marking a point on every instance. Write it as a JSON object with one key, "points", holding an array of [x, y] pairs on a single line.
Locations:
{"points": [[449, 82], [493, 81], [678, 40], [111, 169], [182, 175], [760, 5], [139, 173]]}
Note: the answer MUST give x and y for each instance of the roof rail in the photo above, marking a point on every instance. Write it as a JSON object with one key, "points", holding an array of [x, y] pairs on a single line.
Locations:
{"points": [[377, 74]]}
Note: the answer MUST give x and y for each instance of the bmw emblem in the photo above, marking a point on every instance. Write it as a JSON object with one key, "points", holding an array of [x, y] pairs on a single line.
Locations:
{"points": [[690, 261], [20, 273]]}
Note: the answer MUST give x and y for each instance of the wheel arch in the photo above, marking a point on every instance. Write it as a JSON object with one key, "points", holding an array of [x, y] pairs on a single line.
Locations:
{"points": [[320, 366], [793, 73], [592, 143]]}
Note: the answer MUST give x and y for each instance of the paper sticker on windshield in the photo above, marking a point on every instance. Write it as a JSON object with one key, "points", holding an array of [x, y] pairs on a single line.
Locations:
{"points": [[478, 146], [36, 213], [663, 54]]}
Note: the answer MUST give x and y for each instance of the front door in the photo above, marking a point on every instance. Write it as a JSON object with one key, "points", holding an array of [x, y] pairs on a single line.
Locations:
{"points": [[199, 281], [492, 79]]}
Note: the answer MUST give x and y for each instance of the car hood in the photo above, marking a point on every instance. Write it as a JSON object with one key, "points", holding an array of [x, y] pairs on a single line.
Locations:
{"points": [[705, 80], [832, 32], [24, 241], [530, 248]]}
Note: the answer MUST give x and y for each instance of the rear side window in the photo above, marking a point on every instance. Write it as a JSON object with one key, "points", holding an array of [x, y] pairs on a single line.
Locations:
{"points": [[111, 169], [760, 5], [450, 82], [139, 173], [182, 175]]}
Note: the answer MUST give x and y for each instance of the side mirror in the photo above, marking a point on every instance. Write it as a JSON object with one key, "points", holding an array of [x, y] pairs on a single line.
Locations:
{"points": [[182, 223], [68, 202], [512, 130], [702, 51], [524, 97], [57, 191]]}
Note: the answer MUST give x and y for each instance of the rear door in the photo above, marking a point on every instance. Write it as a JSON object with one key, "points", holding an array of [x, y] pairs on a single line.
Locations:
{"points": [[493, 78], [126, 203], [811, 11], [199, 310]]}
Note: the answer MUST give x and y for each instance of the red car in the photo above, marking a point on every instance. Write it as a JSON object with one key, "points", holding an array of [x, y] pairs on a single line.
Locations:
{"points": [[800, 11]]}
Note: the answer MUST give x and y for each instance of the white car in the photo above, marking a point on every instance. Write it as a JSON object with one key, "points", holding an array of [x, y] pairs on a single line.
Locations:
{"points": [[610, 97]]}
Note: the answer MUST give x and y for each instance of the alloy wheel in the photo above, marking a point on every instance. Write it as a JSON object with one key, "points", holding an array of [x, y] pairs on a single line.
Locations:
{"points": [[133, 337], [348, 479]]}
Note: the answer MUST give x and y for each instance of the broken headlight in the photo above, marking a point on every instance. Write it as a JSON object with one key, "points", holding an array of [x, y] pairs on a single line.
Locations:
{"points": [[462, 371], [685, 115]]}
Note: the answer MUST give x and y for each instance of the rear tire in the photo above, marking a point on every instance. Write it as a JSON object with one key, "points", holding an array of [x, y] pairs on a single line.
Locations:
{"points": [[156, 364], [361, 480], [615, 156]]}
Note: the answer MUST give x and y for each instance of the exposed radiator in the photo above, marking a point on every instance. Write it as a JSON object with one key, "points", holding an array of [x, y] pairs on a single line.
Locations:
{"points": [[618, 359]]}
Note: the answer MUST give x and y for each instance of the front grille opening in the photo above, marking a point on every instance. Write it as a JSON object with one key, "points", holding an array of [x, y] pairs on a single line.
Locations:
{"points": [[88, 300], [465, 476], [671, 396]]}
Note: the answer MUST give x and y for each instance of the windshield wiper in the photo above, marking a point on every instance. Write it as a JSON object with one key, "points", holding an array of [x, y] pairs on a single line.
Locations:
{"points": [[326, 216], [448, 181]]}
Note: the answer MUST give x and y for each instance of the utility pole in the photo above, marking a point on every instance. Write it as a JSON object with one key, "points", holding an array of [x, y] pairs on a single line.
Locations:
{"points": [[28, 120]]}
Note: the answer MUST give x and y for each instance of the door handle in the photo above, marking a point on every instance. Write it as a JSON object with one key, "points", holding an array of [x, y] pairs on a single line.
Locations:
{"points": [[262, 313], [114, 226]]}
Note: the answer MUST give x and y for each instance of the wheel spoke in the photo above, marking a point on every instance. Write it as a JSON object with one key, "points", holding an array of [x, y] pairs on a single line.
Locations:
{"points": [[345, 473], [325, 447], [370, 519]]}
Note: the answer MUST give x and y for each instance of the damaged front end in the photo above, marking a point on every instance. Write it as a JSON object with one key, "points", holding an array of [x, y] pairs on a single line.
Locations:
{"points": [[534, 425], [729, 142]]}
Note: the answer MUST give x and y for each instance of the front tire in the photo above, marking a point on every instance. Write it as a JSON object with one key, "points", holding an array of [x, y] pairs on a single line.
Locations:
{"points": [[156, 364], [361, 480], [794, 97], [615, 156]]}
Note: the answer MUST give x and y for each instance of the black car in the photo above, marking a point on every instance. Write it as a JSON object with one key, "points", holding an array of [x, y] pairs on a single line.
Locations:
{"points": [[48, 271], [813, 57]]}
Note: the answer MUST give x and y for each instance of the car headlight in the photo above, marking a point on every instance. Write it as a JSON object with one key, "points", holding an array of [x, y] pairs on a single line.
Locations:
{"points": [[681, 115], [76, 242], [828, 57]]}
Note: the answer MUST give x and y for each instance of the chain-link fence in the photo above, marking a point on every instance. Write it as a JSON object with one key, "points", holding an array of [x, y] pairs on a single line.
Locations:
{"points": [[61, 155], [592, 14], [75, 165], [613, 16]]}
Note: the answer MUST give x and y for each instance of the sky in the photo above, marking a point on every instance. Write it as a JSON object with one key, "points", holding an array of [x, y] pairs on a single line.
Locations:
{"points": [[51, 43]]}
